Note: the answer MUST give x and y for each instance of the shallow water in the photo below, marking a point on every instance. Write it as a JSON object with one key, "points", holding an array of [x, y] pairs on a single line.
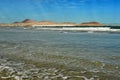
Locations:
{"points": [[31, 54]]}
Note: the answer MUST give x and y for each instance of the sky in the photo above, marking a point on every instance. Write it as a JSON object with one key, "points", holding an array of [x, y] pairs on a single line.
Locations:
{"points": [[104, 11]]}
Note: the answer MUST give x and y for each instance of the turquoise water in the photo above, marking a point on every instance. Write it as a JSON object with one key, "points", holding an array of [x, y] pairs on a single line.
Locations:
{"points": [[96, 54]]}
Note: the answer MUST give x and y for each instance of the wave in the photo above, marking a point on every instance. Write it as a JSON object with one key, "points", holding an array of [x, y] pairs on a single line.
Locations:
{"points": [[82, 29]]}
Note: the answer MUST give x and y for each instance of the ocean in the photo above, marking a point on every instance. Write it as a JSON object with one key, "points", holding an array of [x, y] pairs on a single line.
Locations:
{"points": [[36, 54]]}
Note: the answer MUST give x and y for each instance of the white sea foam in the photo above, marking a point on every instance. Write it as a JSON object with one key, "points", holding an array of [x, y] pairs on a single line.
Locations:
{"points": [[90, 29]]}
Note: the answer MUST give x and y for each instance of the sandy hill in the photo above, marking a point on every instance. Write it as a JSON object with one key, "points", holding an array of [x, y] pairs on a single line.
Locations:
{"points": [[91, 24], [29, 22], [47, 22]]}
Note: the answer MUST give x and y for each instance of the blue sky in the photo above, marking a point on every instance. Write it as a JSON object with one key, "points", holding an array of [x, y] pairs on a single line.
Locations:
{"points": [[104, 11]]}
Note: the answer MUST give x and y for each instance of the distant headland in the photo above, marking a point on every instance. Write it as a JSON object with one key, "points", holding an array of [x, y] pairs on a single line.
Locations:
{"points": [[29, 22]]}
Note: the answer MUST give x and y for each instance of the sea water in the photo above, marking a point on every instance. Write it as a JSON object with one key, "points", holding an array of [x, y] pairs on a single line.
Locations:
{"points": [[31, 54]]}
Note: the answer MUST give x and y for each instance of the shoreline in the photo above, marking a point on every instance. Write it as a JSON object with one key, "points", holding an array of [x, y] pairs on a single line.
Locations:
{"points": [[14, 25], [89, 29], [83, 29]]}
